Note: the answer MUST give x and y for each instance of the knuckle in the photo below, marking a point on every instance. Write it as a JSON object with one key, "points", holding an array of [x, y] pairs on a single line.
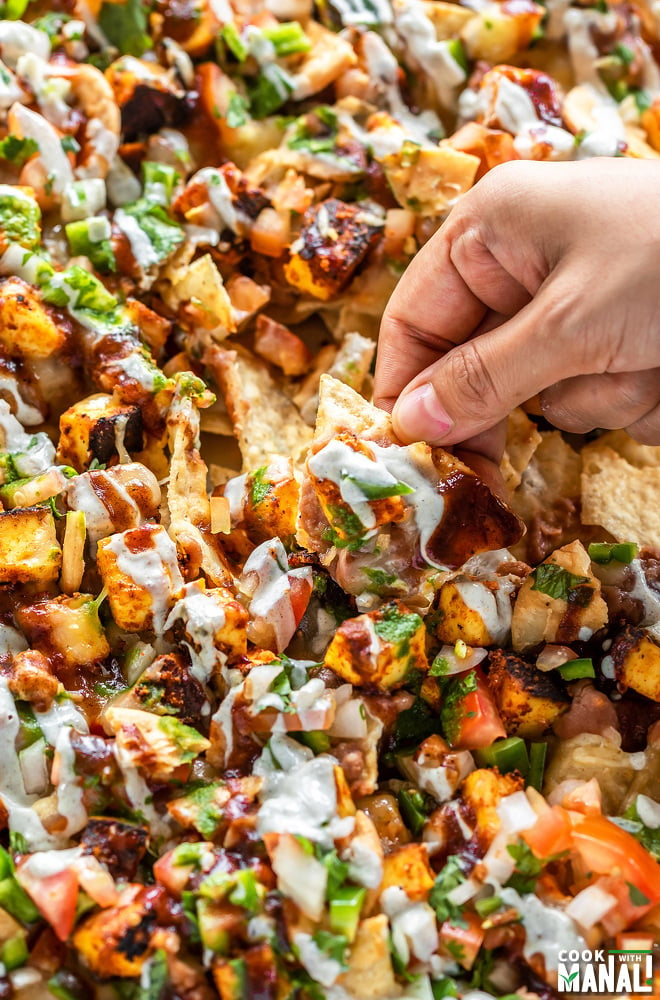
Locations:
{"points": [[473, 384]]}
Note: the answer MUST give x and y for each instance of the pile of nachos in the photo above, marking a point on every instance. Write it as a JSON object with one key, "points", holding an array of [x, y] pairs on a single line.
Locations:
{"points": [[291, 710]]}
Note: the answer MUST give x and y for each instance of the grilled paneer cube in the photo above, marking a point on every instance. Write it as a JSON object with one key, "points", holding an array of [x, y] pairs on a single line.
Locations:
{"points": [[117, 941], [212, 625], [460, 620], [66, 629], [28, 327], [379, 649], [92, 428], [429, 180], [528, 699], [29, 550], [31, 679], [140, 569], [482, 791], [271, 505], [636, 657], [560, 601], [408, 868], [333, 242]]}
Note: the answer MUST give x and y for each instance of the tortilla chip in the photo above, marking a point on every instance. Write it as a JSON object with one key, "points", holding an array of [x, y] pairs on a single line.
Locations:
{"points": [[350, 365], [343, 409], [548, 488], [265, 421], [640, 455], [522, 440], [187, 498], [620, 497]]}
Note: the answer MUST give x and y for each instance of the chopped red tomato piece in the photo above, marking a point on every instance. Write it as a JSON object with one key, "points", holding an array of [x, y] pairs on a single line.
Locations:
{"points": [[468, 714], [606, 849], [301, 591], [463, 943], [551, 834], [55, 896]]}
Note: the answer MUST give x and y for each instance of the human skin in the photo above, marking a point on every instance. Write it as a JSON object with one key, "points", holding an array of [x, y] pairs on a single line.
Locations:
{"points": [[545, 279]]}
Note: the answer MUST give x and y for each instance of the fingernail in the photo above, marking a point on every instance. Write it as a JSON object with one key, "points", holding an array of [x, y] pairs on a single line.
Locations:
{"points": [[419, 415]]}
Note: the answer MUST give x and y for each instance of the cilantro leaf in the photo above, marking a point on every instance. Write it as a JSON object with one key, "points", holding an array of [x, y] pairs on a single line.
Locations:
{"points": [[451, 876], [555, 581], [16, 150], [126, 25]]}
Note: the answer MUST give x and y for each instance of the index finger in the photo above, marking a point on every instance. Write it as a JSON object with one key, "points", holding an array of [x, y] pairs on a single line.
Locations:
{"points": [[414, 332]]}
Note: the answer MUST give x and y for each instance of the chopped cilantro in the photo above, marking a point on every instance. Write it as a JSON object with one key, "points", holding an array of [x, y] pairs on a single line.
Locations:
{"points": [[16, 150], [259, 487], [237, 110], [337, 871], [332, 945], [439, 667], [380, 580], [346, 531], [69, 144], [456, 689], [397, 626], [528, 866], [163, 234], [270, 91], [126, 26], [373, 491], [232, 39], [637, 897], [449, 878], [555, 581], [207, 813]]}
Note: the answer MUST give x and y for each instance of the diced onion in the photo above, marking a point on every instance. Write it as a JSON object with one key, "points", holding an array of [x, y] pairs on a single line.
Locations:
{"points": [[350, 721], [648, 811], [516, 813], [73, 551], [551, 657], [34, 768], [458, 664], [590, 906], [300, 876]]}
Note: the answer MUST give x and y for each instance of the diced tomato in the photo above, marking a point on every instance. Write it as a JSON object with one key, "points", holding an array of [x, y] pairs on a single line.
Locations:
{"points": [[173, 877], [55, 896], [301, 591], [463, 943], [551, 834], [468, 714], [606, 849], [586, 798], [625, 913]]}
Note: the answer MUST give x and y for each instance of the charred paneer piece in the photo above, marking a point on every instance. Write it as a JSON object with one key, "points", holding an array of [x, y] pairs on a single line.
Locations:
{"points": [[28, 327], [379, 649], [272, 499], [636, 656], [335, 239], [481, 792], [408, 868], [255, 974], [527, 699], [118, 845], [91, 429], [147, 94], [29, 549], [117, 941]]}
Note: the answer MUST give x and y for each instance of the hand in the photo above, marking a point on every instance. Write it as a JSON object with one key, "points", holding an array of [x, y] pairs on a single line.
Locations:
{"points": [[544, 279]]}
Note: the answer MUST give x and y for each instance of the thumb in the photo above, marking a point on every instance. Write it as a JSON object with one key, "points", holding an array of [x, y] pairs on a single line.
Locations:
{"points": [[478, 383]]}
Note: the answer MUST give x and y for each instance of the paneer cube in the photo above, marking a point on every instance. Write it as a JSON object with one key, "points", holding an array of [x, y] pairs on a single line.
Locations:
{"points": [[430, 180], [560, 601], [379, 649], [333, 242], [408, 868], [636, 656], [140, 570], [66, 628], [212, 625], [29, 549], [482, 791], [501, 30], [117, 941], [527, 699], [458, 620], [91, 428], [28, 327], [272, 499]]}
